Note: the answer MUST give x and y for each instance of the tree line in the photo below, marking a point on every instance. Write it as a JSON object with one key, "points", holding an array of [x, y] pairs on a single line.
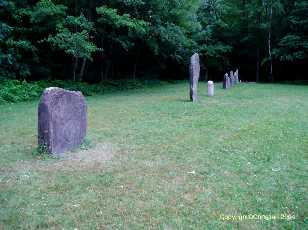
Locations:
{"points": [[98, 40]]}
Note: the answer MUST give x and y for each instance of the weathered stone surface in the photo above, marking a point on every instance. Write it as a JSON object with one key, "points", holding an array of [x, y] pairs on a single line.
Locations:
{"points": [[229, 82], [235, 81], [236, 76], [210, 88], [232, 78], [62, 120], [194, 74], [225, 83]]}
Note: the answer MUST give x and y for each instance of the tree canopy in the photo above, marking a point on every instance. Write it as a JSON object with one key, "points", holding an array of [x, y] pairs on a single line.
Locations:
{"points": [[96, 40]]}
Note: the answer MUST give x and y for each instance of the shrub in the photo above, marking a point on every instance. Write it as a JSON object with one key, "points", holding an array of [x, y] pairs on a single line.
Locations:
{"points": [[12, 91]]}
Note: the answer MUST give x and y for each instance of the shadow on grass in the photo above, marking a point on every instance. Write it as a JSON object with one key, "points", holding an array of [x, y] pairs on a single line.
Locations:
{"points": [[182, 100], [42, 153], [304, 82]]}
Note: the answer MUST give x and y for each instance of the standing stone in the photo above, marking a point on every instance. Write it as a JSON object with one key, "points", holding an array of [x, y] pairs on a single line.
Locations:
{"points": [[225, 84], [194, 74], [232, 78], [210, 88], [229, 81], [62, 120], [237, 79]]}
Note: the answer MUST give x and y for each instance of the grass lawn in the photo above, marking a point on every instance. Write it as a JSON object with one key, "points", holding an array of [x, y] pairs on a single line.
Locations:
{"points": [[154, 160]]}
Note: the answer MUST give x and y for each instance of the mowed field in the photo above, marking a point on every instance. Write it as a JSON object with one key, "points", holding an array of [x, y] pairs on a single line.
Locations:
{"points": [[154, 160]]}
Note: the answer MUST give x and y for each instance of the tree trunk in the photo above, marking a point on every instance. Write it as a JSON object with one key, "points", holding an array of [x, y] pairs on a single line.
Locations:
{"points": [[107, 69], [136, 63], [271, 78], [258, 65], [102, 61], [90, 18], [75, 68], [91, 9], [105, 60], [135, 70], [81, 73], [75, 30], [102, 72], [112, 70]]}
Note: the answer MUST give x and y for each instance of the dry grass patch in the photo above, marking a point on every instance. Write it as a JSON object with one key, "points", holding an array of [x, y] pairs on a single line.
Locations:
{"points": [[91, 159]]}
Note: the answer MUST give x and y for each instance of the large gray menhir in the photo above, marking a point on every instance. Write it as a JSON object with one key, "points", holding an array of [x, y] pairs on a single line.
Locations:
{"points": [[194, 74], [62, 120]]}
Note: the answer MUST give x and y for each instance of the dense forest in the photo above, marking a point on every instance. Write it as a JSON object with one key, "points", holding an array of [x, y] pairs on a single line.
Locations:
{"points": [[98, 40]]}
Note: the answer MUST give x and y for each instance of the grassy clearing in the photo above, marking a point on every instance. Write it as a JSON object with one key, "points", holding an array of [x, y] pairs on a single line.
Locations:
{"points": [[157, 161]]}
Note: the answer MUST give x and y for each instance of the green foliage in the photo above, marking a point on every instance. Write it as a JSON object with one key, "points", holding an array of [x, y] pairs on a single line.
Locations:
{"points": [[15, 91], [16, 51], [294, 45], [46, 11], [122, 29], [41, 153], [5, 30], [137, 36], [74, 37], [12, 91], [76, 44], [171, 41], [172, 30], [212, 45], [111, 17]]}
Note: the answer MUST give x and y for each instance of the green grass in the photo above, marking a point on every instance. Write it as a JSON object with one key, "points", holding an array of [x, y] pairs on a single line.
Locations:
{"points": [[248, 147]]}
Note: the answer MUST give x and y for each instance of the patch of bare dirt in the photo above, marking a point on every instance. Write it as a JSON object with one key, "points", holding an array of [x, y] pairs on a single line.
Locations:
{"points": [[90, 159], [87, 159]]}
